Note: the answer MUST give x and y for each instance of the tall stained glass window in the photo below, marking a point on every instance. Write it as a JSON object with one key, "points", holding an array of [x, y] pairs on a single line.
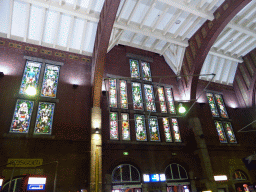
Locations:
{"points": [[146, 72], [30, 76], [22, 116], [212, 105], [137, 96], [229, 131], [162, 99], [125, 126], [134, 68], [140, 127], [219, 100], [114, 126], [123, 94], [221, 133], [170, 100], [154, 129], [167, 130], [44, 118], [176, 131], [149, 98], [50, 82], [112, 93]]}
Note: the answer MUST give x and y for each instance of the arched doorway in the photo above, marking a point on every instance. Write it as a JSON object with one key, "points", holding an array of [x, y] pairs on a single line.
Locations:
{"points": [[15, 185]]}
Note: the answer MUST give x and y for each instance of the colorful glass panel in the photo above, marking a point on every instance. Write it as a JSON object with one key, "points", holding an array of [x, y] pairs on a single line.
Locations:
{"points": [[167, 131], [220, 131], [170, 100], [112, 93], [125, 126], [123, 94], [22, 116], [114, 126], [176, 131], [44, 118], [219, 100], [212, 105], [149, 98], [229, 132], [137, 96], [162, 99], [134, 68], [30, 76], [50, 82], [140, 127], [154, 129], [146, 72]]}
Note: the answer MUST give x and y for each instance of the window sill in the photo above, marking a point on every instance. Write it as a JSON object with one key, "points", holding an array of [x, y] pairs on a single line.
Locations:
{"points": [[25, 135], [146, 143]]}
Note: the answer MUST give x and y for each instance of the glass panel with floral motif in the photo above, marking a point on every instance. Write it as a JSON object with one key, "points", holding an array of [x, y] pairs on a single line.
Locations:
{"points": [[149, 98], [137, 96], [223, 112], [162, 99], [220, 131], [44, 118], [113, 126], [50, 82], [134, 67], [125, 126], [140, 127], [176, 131], [212, 105], [154, 129], [146, 73], [22, 116], [170, 100], [112, 93], [30, 76], [167, 131], [123, 94], [229, 132]]}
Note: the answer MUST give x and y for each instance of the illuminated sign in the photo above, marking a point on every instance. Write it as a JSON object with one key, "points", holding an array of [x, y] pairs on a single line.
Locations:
{"points": [[220, 178], [24, 162], [154, 178], [146, 178], [36, 183], [1, 183]]}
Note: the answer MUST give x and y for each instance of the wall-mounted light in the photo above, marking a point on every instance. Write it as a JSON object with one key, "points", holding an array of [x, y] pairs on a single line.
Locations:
{"points": [[97, 130], [1, 74], [75, 86], [125, 153], [31, 90], [182, 109]]}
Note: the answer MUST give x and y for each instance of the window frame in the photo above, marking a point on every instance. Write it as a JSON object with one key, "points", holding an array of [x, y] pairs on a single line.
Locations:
{"points": [[123, 182]]}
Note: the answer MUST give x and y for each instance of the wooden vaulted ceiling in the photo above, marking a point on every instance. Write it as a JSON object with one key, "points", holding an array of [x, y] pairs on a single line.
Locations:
{"points": [[160, 26]]}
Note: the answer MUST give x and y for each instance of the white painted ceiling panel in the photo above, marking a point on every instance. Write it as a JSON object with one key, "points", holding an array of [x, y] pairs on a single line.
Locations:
{"points": [[51, 25], [205, 67], [4, 15], [90, 36], [35, 23], [19, 19], [152, 17], [119, 8], [175, 26], [232, 73], [127, 9], [140, 13], [84, 3], [64, 30], [70, 1], [98, 5], [78, 29], [194, 30], [166, 19], [218, 69], [127, 35], [138, 39], [160, 45], [150, 41], [226, 70]]}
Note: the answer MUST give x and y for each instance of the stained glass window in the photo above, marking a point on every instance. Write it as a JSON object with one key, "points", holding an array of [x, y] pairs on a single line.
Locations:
{"points": [[162, 99], [125, 126], [170, 100], [149, 98], [176, 131], [146, 73], [44, 118], [50, 81], [140, 127], [134, 67], [123, 94], [30, 76], [137, 96], [221, 133], [22, 116], [219, 100], [229, 131], [114, 126], [167, 131], [112, 93], [212, 105], [154, 129]]}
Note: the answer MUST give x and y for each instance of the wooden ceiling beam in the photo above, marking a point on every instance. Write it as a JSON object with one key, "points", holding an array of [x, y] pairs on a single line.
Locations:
{"points": [[133, 11], [148, 12]]}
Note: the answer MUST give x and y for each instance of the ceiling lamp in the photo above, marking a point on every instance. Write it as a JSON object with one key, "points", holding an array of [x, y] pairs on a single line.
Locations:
{"points": [[177, 22], [182, 109]]}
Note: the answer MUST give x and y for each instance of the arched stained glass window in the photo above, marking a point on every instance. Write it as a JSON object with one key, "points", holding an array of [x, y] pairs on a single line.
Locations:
{"points": [[175, 171], [125, 173], [239, 176]]}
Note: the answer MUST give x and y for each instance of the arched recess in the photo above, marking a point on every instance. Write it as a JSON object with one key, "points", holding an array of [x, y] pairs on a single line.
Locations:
{"points": [[201, 43], [15, 184]]}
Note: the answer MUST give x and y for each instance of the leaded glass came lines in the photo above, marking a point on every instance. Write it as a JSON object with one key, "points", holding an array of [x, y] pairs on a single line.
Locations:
{"points": [[134, 68], [114, 126], [212, 105], [123, 94], [167, 132], [154, 129], [162, 99], [146, 72], [176, 131], [170, 100], [125, 126], [229, 131], [223, 112], [137, 96], [221, 133], [149, 98], [140, 127], [112, 93]]}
